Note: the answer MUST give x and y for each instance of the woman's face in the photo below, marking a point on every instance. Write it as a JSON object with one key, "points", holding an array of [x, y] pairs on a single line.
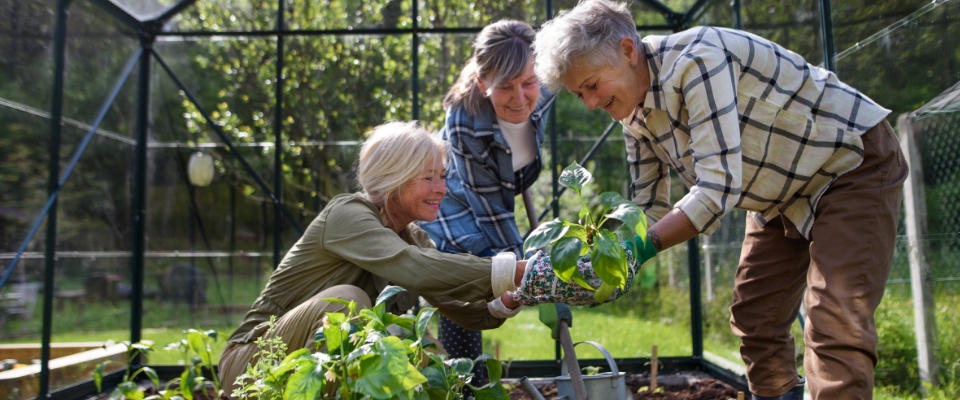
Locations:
{"points": [[419, 199], [514, 100], [617, 88]]}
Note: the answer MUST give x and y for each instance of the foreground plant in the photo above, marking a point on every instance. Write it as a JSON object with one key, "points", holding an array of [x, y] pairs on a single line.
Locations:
{"points": [[197, 356], [568, 241], [355, 357]]}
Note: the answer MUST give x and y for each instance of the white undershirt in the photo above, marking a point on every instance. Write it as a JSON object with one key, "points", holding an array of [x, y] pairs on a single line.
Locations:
{"points": [[520, 137]]}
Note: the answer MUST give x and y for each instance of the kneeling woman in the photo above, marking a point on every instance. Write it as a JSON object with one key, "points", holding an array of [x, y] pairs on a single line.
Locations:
{"points": [[362, 242]]}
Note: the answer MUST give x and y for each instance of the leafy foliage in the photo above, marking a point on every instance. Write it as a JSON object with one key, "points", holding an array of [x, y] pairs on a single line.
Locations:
{"points": [[197, 355], [357, 358], [570, 240]]}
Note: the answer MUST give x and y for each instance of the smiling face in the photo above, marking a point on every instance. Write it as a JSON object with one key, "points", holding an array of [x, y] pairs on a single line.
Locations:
{"points": [[514, 100], [419, 198], [617, 88]]}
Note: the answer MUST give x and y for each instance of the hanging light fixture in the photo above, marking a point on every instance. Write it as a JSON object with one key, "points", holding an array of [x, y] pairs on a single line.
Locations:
{"points": [[200, 169]]}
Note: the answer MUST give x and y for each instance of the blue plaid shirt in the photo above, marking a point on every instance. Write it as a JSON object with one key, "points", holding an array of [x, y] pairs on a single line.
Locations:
{"points": [[476, 216]]}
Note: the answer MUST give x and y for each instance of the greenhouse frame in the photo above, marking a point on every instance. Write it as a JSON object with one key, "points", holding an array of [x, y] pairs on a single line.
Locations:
{"points": [[106, 100]]}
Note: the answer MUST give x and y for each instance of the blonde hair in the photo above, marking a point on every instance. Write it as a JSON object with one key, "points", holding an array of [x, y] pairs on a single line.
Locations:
{"points": [[501, 49], [588, 33], [392, 155]]}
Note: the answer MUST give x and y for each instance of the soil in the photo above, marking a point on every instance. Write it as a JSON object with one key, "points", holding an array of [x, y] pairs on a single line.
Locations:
{"points": [[685, 386]]}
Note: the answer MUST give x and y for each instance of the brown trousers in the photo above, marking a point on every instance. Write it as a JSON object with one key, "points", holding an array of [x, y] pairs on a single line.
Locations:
{"points": [[296, 328], [844, 268]]}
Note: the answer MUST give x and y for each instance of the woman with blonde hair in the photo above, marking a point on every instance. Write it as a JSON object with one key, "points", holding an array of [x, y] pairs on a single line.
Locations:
{"points": [[496, 114], [362, 242]]}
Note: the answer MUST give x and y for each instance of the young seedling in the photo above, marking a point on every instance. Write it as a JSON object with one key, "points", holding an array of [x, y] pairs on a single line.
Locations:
{"points": [[568, 241]]}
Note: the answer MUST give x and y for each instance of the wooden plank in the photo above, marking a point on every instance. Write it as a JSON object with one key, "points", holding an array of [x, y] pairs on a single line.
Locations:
{"points": [[921, 278]]}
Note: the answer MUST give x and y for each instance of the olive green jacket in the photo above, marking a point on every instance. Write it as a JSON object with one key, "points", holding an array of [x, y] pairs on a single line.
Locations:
{"points": [[348, 244]]}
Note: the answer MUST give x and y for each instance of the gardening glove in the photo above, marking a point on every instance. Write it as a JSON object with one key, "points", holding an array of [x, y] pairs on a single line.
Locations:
{"points": [[552, 314], [541, 285], [645, 250], [498, 310]]}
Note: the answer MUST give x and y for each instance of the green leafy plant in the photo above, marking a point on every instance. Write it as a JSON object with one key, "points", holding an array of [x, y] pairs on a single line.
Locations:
{"points": [[357, 358], [568, 241], [197, 356], [128, 387]]}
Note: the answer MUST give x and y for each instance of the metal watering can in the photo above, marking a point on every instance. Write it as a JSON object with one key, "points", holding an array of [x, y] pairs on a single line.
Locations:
{"points": [[603, 386]]}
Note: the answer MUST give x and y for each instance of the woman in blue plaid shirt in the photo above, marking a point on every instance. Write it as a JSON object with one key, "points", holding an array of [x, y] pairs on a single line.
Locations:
{"points": [[494, 128]]}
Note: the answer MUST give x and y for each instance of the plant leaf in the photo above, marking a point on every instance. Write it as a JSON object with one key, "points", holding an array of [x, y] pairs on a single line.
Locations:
{"points": [[333, 332], [130, 390], [545, 234], [494, 368], [575, 177], [198, 345], [608, 259], [564, 257], [492, 391], [152, 374], [609, 200], [461, 366], [423, 319], [576, 231], [306, 383], [387, 293], [388, 373], [186, 377], [436, 376], [98, 375], [603, 292], [578, 279], [629, 213]]}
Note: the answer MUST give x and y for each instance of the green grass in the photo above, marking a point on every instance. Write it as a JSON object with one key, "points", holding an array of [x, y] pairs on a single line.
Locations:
{"points": [[524, 337]]}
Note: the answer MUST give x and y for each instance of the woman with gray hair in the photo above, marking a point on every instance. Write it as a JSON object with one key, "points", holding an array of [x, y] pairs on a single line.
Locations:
{"points": [[749, 124], [496, 114]]}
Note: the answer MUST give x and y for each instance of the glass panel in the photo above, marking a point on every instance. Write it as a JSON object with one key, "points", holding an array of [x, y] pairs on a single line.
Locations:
{"points": [[98, 50], [208, 246], [145, 10], [719, 259], [903, 66], [794, 25], [26, 40], [226, 16], [855, 20], [338, 88], [719, 13], [442, 57], [346, 14], [477, 14]]}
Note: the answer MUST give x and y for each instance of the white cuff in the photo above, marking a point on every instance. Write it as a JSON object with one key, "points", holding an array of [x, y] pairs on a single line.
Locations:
{"points": [[503, 272], [498, 310]]}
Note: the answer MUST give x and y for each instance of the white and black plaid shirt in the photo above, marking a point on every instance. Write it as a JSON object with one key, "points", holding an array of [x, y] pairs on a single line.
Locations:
{"points": [[746, 124]]}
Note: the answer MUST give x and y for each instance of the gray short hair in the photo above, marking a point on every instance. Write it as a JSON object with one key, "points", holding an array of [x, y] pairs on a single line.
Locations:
{"points": [[392, 155], [593, 28], [502, 49]]}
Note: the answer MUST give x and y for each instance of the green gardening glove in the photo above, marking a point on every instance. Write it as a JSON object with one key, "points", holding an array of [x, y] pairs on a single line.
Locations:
{"points": [[645, 250], [551, 315]]}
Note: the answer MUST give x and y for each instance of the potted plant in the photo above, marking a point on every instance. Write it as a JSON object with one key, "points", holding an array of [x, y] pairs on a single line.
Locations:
{"points": [[568, 241]]}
